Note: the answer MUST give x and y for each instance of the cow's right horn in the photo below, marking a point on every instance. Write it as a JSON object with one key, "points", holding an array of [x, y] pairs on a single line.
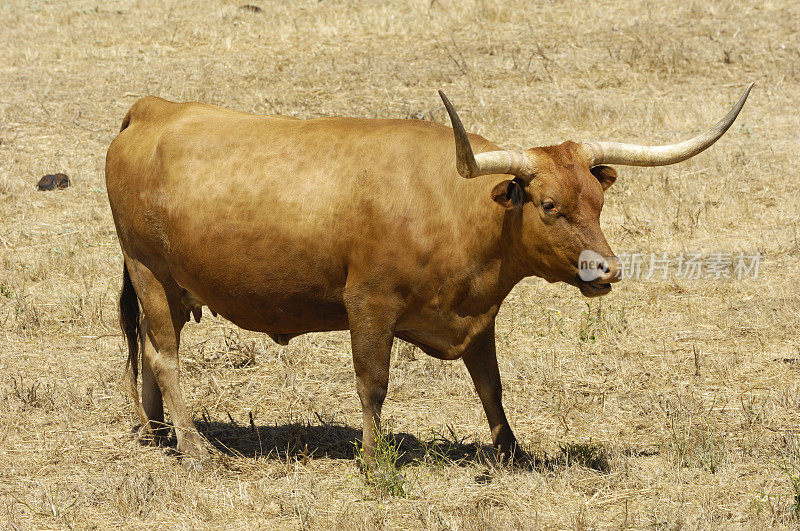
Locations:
{"points": [[636, 155], [491, 162]]}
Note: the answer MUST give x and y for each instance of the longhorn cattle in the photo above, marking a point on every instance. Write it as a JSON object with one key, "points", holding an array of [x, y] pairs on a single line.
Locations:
{"points": [[379, 227]]}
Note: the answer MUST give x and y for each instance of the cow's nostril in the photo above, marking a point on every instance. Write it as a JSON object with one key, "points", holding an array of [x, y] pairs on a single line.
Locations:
{"points": [[604, 267], [612, 268]]}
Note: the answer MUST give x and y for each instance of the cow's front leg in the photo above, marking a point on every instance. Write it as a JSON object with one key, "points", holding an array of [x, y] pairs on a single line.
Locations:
{"points": [[481, 362], [371, 335]]}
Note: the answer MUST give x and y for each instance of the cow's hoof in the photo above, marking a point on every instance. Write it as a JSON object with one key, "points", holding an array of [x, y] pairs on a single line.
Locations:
{"points": [[194, 445], [513, 455]]}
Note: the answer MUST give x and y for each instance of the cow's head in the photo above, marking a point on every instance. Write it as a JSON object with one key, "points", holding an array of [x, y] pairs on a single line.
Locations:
{"points": [[558, 192]]}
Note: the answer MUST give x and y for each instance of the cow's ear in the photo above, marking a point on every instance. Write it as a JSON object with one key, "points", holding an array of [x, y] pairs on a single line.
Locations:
{"points": [[508, 194], [606, 175]]}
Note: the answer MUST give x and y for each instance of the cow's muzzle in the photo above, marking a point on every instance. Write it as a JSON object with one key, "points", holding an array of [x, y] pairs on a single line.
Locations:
{"points": [[596, 273]]}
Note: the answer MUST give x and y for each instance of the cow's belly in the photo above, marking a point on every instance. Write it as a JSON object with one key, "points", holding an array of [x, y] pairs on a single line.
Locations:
{"points": [[302, 316], [265, 295], [275, 314]]}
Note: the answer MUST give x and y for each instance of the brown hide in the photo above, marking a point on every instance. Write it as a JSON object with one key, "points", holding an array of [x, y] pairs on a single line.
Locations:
{"points": [[269, 220], [292, 226]]}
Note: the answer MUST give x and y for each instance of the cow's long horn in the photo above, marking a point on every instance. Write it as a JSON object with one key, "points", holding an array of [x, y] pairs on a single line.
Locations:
{"points": [[490, 162], [636, 155]]}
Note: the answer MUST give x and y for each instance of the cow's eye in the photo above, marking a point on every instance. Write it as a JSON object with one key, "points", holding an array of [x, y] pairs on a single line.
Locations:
{"points": [[549, 207]]}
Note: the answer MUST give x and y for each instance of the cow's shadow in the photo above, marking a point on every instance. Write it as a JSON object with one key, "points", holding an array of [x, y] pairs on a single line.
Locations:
{"points": [[303, 440]]}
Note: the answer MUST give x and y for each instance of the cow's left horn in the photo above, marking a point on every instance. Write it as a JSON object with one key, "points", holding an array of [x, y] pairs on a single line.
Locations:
{"points": [[636, 155], [490, 162]]}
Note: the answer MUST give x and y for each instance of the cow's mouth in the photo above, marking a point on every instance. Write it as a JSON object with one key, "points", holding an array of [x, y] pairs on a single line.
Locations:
{"points": [[589, 289]]}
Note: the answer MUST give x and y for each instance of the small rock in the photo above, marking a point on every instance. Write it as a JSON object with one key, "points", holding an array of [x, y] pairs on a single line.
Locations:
{"points": [[251, 8], [53, 181]]}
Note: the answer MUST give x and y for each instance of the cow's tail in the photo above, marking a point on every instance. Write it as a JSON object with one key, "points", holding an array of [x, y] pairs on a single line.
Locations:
{"points": [[125, 122], [129, 322]]}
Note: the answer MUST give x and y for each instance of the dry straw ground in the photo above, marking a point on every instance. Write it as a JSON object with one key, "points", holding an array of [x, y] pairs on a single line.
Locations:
{"points": [[674, 404]]}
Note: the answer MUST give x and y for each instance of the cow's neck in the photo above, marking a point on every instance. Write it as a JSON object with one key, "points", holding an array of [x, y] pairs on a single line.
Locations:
{"points": [[497, 260]]}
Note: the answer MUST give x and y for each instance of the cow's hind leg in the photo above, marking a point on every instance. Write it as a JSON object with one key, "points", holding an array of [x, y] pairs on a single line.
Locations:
{"points": [[152, 400], [164, 318]]}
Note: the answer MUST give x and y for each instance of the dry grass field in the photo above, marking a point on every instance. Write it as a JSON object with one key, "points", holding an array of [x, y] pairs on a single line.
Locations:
{"points": [[667, 404]]}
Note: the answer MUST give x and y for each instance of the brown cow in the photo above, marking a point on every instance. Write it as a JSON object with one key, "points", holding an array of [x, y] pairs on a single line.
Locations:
{"points": [[291, 226]]}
